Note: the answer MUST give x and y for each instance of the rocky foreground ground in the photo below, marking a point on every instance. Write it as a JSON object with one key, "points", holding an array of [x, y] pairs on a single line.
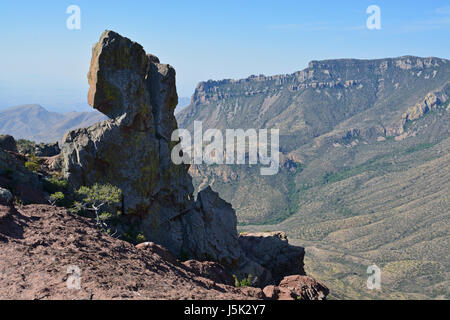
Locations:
{"points": [[40, 245]]}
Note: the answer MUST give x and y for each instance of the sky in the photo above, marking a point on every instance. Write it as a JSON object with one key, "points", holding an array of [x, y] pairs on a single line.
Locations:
{"points": [[42, 61]]}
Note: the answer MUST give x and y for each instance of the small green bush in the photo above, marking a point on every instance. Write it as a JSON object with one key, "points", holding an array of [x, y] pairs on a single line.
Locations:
{"points": [[106, 216], [140, 238], [57, 198], [97, 198], [55, 184], [32, 166], [245, 282]]}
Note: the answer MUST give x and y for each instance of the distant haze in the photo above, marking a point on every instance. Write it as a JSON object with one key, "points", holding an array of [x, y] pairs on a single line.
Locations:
{"points": [[183, 102], [35, 123]]}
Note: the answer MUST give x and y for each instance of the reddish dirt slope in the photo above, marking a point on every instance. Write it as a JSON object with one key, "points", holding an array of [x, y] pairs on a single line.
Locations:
{"points": [[39, 242]]}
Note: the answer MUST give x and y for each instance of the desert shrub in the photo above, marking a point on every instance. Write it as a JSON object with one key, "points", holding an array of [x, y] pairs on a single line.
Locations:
{"points": [[32, 166], [106, 216], [140, 238], [127, 237], [133, 236], [56, 198], [97, 198], [32, 163], [55, 184], [245, 282]]}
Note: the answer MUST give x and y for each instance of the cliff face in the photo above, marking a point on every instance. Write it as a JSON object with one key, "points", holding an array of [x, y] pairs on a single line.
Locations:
{"points": [[321, 98], [432, 101]]}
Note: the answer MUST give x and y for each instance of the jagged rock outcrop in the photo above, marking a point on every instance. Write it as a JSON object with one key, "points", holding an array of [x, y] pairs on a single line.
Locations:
{"points": [[47, 149], [23, 183], [8, 143], [132, 151], [432, 101]]}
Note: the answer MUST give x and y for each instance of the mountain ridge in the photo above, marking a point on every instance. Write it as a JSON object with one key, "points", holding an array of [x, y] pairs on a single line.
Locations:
{"points": [[313, 63]]}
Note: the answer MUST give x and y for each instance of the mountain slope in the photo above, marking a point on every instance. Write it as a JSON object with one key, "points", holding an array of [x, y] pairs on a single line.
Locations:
{"points": [[364, 170], [35, 123]]}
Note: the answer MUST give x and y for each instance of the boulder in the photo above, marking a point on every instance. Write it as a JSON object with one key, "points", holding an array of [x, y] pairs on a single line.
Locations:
{"points": [[8, 143], [159, 250], [272, 251], [6, 197], [304, 288], [297, 287], [276, 293], [252, 293]]}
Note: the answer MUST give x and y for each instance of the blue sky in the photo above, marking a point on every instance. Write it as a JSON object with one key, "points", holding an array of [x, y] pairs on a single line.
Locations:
{"points": [[43, 62]]}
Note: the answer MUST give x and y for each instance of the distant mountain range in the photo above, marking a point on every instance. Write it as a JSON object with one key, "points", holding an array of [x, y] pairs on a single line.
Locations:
{"points": [[365, 170], [35, 123]]}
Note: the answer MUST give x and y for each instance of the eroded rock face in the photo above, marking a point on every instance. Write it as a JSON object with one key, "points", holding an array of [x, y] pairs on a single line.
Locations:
{"points": [[47, 149], [431, 102], [6, 196], [8, 143], [23, 183], [132, 150]]}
